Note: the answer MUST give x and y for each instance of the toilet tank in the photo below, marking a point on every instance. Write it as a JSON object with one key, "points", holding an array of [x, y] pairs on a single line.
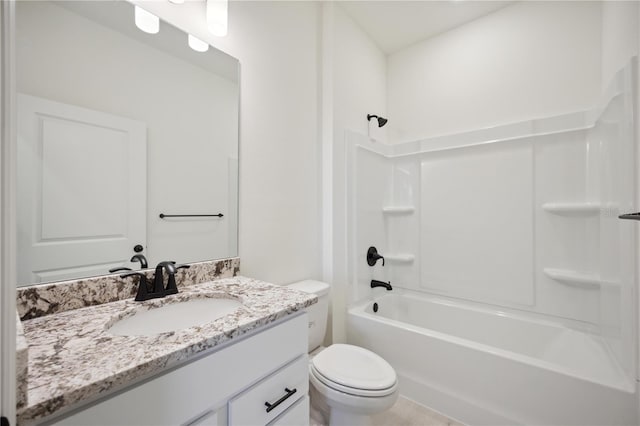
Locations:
{"points": [[317, 312]]}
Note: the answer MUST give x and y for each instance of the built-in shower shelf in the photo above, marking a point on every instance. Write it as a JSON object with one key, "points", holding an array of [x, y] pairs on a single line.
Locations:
{"points": [[400, 258], [574, 278], [572, 209], [398, 209]]}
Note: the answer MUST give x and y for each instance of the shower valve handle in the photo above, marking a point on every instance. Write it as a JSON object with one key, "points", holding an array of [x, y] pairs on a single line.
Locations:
{"points": [[373, 256]]}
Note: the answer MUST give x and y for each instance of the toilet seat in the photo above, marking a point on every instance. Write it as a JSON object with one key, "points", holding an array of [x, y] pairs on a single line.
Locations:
{"points": [[354, 370], [349, 390]]}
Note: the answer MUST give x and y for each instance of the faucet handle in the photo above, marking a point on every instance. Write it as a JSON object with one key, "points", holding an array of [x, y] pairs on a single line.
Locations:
{"points": [[143, 291], [170, 267], [118, 269], [172, 288], [134, 273], [373, 256]]}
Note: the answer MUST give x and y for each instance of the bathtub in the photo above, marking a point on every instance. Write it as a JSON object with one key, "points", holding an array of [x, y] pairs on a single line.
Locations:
{"points": [[481, 365]]}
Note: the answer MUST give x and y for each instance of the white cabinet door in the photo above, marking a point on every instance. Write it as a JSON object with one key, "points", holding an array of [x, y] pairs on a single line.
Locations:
{"points": [[81, 190]]}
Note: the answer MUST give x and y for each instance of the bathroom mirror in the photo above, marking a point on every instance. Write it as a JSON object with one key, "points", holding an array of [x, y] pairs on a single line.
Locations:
{"points": [[116, 128]]}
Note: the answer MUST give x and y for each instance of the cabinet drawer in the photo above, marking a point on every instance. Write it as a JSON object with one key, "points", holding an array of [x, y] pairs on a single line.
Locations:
{"points": [[297, 415], [281, 389]]}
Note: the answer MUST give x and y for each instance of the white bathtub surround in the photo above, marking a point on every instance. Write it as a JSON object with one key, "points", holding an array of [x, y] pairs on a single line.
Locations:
{"points": [[521, 219], [486, 365]]}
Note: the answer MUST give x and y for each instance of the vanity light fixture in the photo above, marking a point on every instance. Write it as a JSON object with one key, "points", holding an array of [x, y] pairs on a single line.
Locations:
{"points": [[197, 44], [217, 11], [176, 1], [146, 21]]}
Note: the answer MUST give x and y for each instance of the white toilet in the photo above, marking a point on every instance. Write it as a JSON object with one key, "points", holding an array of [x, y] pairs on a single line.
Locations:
{"points": [[349, 384]]}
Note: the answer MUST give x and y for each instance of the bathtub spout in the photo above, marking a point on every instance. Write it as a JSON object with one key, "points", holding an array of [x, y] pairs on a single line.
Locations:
{"points": [[376, 283]]}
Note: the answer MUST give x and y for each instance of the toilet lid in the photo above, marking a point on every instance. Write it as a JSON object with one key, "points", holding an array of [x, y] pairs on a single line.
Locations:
{"points": [[354, 367], [314, 374]]}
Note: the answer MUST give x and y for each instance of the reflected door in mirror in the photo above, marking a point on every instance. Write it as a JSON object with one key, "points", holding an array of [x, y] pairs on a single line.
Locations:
{"points": [[81, 190]]}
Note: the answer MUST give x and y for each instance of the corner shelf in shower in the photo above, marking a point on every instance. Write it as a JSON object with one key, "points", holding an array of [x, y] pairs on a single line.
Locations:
{"points": [[400, 258], [572, 209], [398, 209], [574, 278]]}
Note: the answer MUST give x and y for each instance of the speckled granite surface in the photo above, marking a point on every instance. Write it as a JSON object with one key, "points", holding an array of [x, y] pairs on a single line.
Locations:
{"points": [[46, 299], [73, 357], [22, 365]]}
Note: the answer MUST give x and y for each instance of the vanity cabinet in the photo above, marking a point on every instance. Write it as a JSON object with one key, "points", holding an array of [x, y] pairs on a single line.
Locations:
{"points": [[229, 386]]}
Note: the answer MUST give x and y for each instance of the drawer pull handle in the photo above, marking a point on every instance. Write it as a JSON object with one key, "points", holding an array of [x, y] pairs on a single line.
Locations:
{"points": [[288, 391]]}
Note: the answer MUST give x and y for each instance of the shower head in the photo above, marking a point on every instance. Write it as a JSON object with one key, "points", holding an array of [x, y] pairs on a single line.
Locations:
{"points": [[381, 121]]}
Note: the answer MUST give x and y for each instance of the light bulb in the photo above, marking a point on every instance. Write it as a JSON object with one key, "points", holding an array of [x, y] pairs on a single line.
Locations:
{"points": [[176, 1], [197, 44], [146, 21], [217, 17]]}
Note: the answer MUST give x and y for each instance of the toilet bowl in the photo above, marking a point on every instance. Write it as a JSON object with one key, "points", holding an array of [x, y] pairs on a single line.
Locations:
{"points": [[349, 384]]}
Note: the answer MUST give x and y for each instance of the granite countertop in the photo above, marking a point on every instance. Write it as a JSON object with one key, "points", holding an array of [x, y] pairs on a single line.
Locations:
{"points": [[73, 357]]}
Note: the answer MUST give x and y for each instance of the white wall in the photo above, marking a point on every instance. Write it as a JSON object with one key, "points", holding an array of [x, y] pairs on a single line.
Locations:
{"points": [[358, 88], [187, 149], [279, 157], [528, 60], [359, 79]]}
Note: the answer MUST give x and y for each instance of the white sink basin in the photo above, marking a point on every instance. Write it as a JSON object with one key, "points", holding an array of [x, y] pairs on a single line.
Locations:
{"points": [[174, 317]]}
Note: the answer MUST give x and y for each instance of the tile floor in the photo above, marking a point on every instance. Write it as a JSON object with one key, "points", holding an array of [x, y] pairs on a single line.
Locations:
{"points": [[407, 413], [404, 413]]}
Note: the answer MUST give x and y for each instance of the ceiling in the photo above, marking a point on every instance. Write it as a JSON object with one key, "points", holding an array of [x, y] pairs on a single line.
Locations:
{"points": [[396, 24]]}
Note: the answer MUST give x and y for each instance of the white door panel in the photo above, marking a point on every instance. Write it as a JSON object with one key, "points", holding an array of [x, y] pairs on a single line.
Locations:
{"points": [[71, 161], [75, 158]]}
